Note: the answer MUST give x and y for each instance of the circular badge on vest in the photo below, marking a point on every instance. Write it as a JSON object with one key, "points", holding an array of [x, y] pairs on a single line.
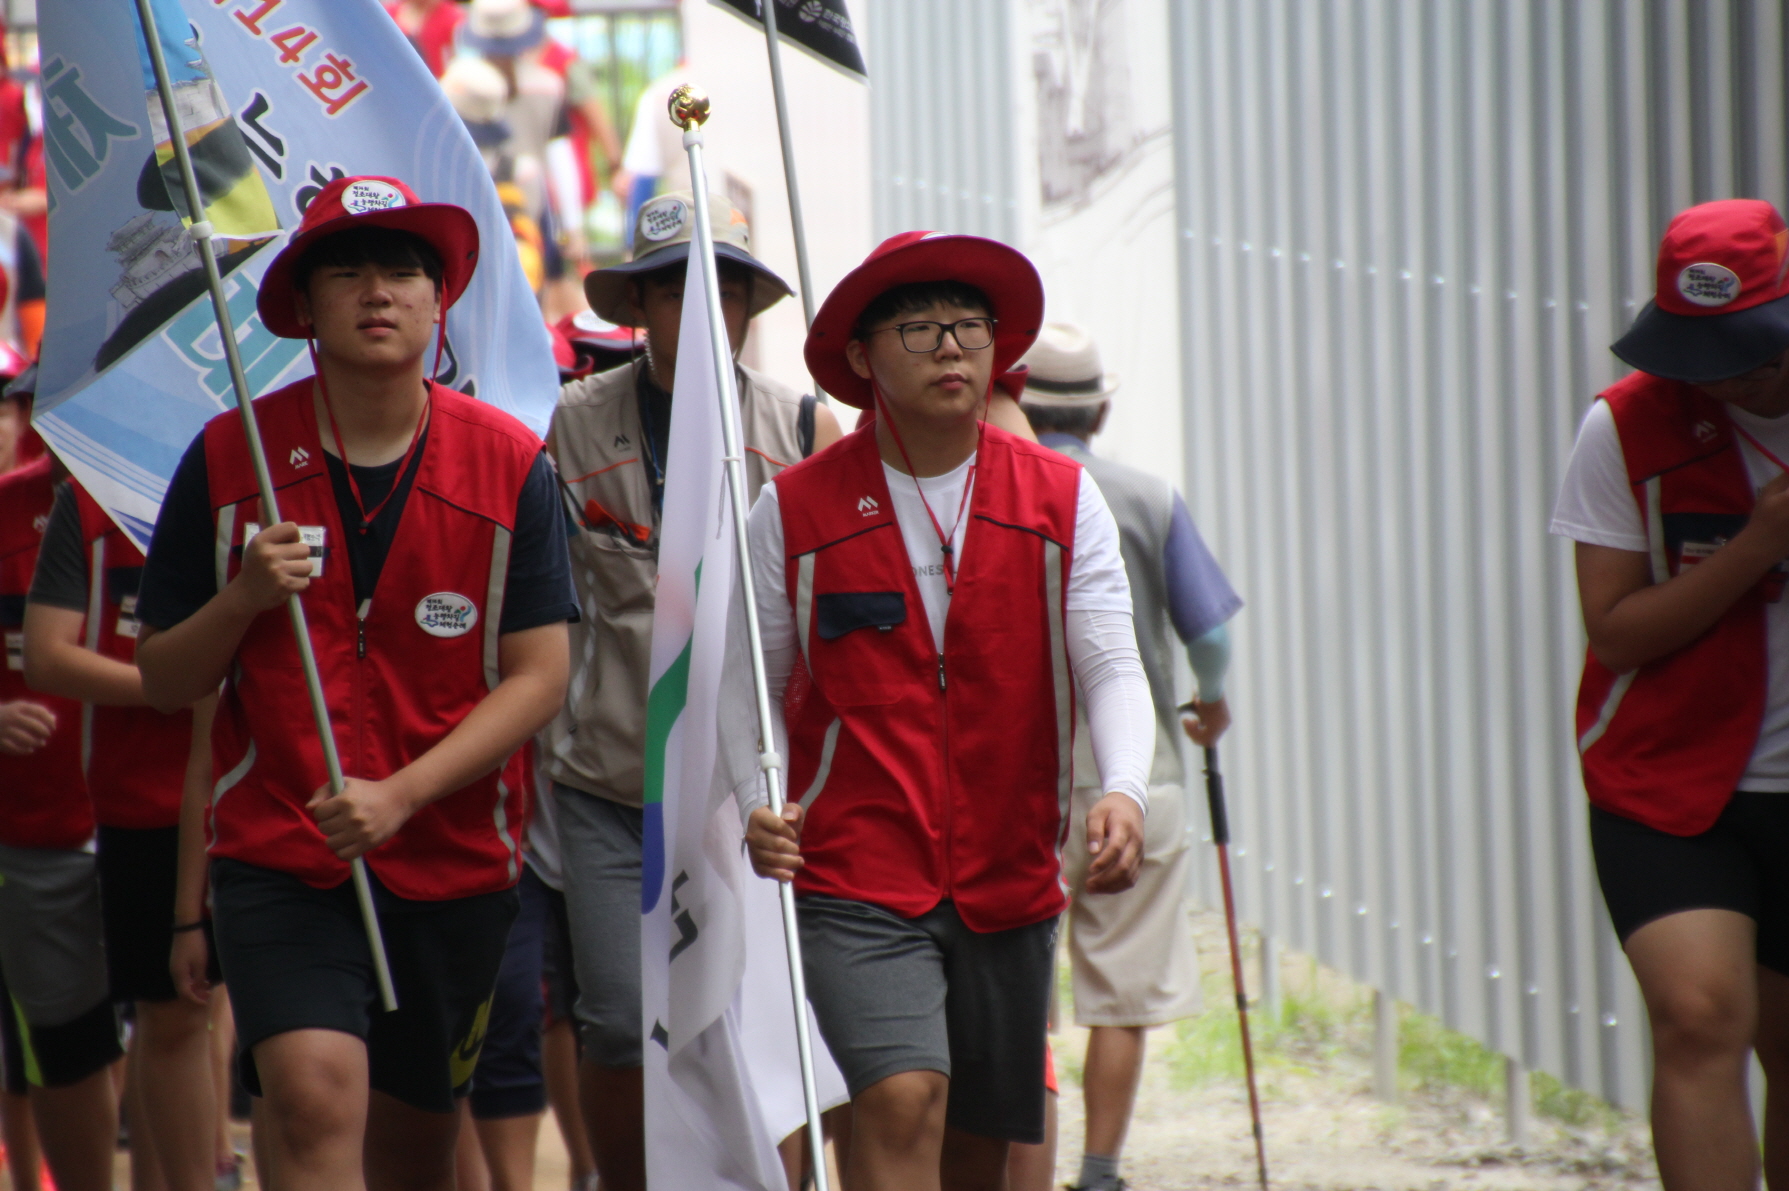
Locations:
{"points": [[446, 614], [1708, 284], [663, 218], [360, 197]]}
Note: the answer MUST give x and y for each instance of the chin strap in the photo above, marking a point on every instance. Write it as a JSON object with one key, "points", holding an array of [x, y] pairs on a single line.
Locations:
{"points": [[946, 541]]}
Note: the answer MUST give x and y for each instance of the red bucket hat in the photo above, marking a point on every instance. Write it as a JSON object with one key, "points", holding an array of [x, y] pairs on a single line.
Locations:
{"points": [[1004, 274], [369, 202], [1721, 306]]}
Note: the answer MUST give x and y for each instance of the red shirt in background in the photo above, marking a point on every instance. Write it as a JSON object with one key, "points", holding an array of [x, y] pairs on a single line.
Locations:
{"points": [[433, 38]]}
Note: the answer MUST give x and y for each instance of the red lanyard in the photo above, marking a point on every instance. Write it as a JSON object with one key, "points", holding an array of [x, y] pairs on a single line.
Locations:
{"points": [[366, 516], [1758, 446], [946, 542]]}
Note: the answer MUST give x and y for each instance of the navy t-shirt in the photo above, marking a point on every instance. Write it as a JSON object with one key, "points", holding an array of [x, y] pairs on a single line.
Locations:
{"points": [[181, 574]]}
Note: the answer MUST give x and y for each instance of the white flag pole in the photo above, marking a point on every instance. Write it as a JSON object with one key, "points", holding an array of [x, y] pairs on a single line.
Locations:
{"points": [[201, 232], [689, 109], [774, 43]]}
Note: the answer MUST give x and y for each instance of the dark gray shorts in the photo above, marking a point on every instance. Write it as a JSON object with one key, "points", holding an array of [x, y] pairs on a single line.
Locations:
{"points": [[600, 845], [897, 994]]}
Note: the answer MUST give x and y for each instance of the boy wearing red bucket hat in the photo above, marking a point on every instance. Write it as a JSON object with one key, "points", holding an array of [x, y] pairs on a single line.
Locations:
{"points": [[426, 540], [1678, 499], [947, 587]]}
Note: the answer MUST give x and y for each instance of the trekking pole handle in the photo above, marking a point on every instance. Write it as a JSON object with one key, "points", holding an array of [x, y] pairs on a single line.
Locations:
{"points": [[1214, 799]]}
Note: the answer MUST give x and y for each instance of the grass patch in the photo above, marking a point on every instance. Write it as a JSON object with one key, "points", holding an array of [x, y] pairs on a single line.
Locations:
{"points": [[1436, 1056]]}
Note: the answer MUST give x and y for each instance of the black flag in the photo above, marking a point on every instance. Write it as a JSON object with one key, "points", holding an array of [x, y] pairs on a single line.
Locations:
{"points": [[821, 27]]}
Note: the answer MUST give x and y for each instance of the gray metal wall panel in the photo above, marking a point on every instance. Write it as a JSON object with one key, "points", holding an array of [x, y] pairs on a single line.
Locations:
{"points": [[940, 76], [1408, 231], [1410, 228]]}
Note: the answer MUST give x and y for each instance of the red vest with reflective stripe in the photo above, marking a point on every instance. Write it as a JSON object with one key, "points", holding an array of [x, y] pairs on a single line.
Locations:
{"points": [[43, 797], [1668, 743], [399, 680], [929, 777], [136, 756]]}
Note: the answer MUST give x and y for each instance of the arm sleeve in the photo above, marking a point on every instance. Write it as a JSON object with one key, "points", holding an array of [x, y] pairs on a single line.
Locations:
{"points": [[776, 628], [537, 589], [1210, 657], [1596, 504], [1200, 598], [61, 576], [180, 574], [1102, 651]]}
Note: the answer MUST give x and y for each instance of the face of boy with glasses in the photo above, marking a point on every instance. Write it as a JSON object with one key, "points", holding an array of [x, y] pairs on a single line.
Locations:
{"points": [[932, 364]]}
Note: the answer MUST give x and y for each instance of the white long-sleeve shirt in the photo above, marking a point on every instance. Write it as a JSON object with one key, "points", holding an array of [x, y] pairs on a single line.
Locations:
{"points": [[1102, 644]]}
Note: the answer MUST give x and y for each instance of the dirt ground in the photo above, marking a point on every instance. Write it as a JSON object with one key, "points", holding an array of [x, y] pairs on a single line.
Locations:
{"points": [[1324, 1129]]}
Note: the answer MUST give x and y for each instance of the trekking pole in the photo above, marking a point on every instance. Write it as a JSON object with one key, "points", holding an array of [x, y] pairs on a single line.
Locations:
{"points": [[201, 232], [689, 109], [1220, 835]]}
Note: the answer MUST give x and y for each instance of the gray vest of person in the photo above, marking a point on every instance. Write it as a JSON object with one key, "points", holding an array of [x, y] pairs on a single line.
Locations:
{"points": [[1143, 506], [597, 742]]}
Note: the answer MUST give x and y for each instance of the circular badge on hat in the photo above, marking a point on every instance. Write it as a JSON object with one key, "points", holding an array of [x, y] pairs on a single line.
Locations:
{"points": [[663, 218], [360, 197], [1708, 284], [446, 614]]}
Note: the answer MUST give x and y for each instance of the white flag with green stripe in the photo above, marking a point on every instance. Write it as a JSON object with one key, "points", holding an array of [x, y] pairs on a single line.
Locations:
{"points": [[718, 1076]]}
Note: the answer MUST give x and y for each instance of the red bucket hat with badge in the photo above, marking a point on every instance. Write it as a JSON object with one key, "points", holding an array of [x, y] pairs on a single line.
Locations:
{"points": [[348, 203], [1721, 307], [1005, 275]]}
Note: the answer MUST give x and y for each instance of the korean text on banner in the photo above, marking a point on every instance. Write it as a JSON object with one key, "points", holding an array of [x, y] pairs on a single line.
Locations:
{"points": [[278, 98]]}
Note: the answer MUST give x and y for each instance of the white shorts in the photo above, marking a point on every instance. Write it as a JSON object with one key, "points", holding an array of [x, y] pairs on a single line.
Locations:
{"points": [[1131, 954]]}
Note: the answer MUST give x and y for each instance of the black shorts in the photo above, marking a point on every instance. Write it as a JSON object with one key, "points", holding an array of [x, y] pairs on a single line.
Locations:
{"points": [[296, 958], [1739, 864], [897, 994], [12, 1047], [137, 871], [559, 979], [508, 1081]]}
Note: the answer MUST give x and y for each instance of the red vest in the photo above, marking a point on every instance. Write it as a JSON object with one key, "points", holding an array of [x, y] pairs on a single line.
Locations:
{"points": [[925, 776], [43, 798], [136, 756], [397, 679], [1667, 744]]}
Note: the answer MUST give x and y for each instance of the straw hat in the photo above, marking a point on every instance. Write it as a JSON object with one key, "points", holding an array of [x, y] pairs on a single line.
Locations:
{"points": [[1065, 369], [503, 28]]}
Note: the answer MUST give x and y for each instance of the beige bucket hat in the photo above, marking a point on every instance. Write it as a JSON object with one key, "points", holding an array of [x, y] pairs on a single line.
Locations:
{"points": [[1065, 368], [662, 237]]}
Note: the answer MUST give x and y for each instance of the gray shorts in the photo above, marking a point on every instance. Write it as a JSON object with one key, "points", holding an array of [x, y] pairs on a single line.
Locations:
{"points": [[897, 994], [600, 844], [53, 953], [52, 939]]}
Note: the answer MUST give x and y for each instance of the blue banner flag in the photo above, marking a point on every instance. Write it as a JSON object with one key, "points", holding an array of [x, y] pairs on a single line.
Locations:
{"points": [[277, 98]]}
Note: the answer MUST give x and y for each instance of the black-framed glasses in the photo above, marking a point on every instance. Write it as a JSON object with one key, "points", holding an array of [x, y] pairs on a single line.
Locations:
{"points": [[971, 334]]}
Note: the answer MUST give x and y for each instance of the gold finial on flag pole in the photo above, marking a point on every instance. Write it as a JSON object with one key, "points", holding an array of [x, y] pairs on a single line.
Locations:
{"points": [[688, 107]]}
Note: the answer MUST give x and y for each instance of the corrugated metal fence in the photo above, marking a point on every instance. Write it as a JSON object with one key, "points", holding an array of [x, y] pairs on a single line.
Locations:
{"points": [[1408, 231]]}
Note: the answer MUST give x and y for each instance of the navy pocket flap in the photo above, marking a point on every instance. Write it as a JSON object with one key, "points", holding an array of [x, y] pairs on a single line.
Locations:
{"points": [[843, 611]]}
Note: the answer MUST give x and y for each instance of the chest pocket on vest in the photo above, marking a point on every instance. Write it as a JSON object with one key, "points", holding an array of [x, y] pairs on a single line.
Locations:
{"points": [[841, 612], [855, 665]]}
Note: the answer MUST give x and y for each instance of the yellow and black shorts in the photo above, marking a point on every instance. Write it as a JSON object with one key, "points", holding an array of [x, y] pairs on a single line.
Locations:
{"points": [[296, 958]]}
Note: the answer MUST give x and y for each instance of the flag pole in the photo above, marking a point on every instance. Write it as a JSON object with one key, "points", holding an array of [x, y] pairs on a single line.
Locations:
{"points": [[201, 232], [774, 42], [689, 109]]}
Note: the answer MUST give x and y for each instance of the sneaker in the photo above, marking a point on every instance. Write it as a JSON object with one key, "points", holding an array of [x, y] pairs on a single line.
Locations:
{"points": [[229, 1178]]}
